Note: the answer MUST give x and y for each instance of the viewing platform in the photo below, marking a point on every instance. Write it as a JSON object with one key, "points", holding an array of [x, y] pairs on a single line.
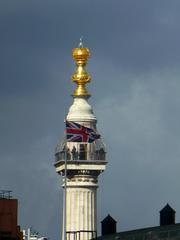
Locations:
{"points": [[73, 151]]}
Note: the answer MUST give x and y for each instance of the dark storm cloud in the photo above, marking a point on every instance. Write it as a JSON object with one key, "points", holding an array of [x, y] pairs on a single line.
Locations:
{"points": [[146, 148], [135, 86]]}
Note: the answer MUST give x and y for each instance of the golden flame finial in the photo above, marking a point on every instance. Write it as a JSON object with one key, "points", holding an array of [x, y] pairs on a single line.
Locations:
{"points": [[81, 77]]}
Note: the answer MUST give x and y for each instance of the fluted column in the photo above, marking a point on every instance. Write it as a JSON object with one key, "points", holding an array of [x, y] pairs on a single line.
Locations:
{"points": [[81, 210]]}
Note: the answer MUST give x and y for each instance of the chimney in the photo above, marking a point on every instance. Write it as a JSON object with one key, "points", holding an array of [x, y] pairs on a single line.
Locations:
{"points": [[167, 215], [108, 225]]}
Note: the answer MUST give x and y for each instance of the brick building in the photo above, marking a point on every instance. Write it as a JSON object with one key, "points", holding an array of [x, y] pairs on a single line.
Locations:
{"points": [[9, 228]]}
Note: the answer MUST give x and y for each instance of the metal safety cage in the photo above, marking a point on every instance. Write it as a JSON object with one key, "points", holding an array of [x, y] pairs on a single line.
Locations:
{"points": [[77, 151]]}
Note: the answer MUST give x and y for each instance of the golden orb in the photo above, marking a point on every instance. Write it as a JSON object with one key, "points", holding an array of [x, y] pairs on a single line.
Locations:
{"points": [[81, 77], [81, 55]]}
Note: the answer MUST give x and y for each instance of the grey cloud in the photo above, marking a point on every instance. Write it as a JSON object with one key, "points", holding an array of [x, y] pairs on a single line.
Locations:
{"points": [[145, 150]]}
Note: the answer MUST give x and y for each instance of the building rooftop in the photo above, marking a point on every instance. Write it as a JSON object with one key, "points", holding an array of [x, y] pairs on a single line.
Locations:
{"points": [[157, 232]]}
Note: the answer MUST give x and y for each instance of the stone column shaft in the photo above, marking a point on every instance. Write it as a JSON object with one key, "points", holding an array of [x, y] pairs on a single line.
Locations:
{"points": [[81, 211]]}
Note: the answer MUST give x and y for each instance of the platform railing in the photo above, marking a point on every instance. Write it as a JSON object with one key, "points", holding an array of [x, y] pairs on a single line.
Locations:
{"points": [[81, 155], [81, 235]]}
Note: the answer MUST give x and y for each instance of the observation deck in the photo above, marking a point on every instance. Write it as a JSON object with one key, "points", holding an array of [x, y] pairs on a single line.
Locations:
{"points": [[80, 156], [74, 151]]}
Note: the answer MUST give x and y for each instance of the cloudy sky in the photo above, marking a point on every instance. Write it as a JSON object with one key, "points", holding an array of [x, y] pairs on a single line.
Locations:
{"points": [[135, 58]]}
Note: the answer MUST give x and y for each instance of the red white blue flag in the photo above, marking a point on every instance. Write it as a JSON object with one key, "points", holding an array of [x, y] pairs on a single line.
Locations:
{"points": [[78, 133]]}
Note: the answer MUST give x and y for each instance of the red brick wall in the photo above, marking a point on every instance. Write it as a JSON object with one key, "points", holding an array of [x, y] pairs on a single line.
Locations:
{"points": [[8, 216]]}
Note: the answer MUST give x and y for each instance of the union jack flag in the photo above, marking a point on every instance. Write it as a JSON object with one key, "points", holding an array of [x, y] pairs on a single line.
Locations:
{"points": [[78, 133]]}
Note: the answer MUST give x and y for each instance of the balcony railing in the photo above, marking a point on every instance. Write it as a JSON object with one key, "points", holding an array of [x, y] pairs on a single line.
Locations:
{"points": [[79, 235], [80, 151]]}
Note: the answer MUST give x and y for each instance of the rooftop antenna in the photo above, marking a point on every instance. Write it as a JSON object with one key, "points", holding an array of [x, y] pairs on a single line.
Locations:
{"points": [[5, 194]]}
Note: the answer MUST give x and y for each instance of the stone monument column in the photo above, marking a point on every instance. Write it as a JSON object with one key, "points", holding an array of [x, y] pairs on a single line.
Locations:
{"points": [[81, 161]]}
